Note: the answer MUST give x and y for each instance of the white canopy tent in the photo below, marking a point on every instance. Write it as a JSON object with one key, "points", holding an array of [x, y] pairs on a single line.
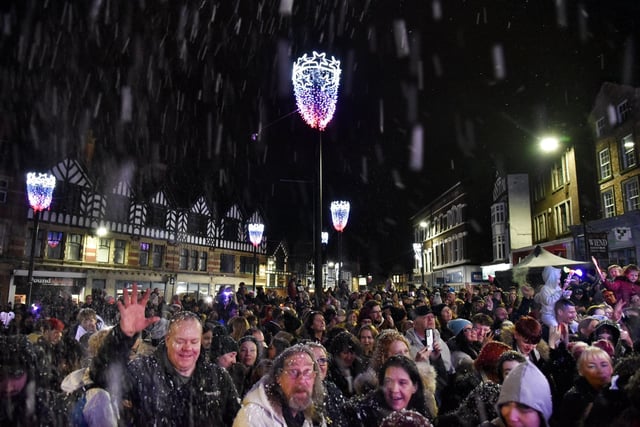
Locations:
{"points": [[541, 257]]}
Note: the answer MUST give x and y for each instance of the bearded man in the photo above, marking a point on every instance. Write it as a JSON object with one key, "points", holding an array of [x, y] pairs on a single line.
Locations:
{"points": [[289, 395]]}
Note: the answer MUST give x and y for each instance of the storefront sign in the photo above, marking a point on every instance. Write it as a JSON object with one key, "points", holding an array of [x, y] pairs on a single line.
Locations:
{"points": [[598, 243]]}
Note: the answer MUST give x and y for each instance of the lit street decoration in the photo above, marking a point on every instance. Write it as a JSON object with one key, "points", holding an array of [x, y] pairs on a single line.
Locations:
{"points": [[255, 236], [40, 188], [315, 85], [340, 214]]}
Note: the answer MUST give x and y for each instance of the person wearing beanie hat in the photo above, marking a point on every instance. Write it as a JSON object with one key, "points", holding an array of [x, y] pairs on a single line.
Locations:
{"points": [[224, 350], [525, 398], [487, 361], [456, 325]]}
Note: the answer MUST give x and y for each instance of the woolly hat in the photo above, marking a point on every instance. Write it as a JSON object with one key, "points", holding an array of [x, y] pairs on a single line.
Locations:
{"points": [[611, 327], [221, 345], [456, 325], [487, 359]]}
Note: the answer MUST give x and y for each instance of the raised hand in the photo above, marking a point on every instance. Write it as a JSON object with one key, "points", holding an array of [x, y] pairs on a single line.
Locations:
{"points": [[132, 312]]}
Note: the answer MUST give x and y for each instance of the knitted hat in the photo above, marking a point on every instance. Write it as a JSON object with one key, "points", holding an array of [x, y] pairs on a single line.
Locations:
{"points": [[487, 359], [456, 325], [221, 345]]}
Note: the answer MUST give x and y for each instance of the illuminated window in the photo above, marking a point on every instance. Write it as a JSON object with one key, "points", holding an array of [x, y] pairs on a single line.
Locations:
{"points": [[104, 247], [74, 247], [604, 158], [563, 218], [145, 249], [119, 251], [631, 194], [608, 203], [628, 152]]}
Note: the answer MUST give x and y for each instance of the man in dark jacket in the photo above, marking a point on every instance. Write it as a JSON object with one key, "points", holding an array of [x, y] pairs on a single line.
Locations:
{"points": [[171, 387]]}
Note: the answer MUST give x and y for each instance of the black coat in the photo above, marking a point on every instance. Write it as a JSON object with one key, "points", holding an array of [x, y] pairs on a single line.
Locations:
{"points": [[159, 396]]}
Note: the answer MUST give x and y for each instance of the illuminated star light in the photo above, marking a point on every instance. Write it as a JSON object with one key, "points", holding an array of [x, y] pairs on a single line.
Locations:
{"points": [[40, 190], [315, 85]]}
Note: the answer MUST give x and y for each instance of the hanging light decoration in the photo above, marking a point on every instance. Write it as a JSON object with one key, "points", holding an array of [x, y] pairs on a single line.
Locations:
{"points": [[40, 190], [315, 84], [340, 214], [255, 233]]}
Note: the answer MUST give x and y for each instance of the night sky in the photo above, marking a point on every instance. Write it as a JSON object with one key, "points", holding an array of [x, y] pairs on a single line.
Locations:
{"points": [[196, 97]]}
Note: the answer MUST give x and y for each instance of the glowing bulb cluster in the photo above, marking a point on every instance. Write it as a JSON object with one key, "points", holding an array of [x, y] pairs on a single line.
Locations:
{"points": [[255, 233], [340, 214], [315, 85], [40, 190]]}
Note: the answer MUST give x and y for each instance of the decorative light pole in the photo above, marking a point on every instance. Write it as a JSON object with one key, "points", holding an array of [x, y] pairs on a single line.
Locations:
{"points": [[340, 215], [40, 193], [315, 85], [255, 236]]}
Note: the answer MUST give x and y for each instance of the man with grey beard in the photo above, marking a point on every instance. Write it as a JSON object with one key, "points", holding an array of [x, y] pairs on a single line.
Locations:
{"points": [[290, 395]]}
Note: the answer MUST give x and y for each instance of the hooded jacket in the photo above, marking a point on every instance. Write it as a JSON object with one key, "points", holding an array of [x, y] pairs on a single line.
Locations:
{"points": [[528, 386], [550, 292], [258, 411]]}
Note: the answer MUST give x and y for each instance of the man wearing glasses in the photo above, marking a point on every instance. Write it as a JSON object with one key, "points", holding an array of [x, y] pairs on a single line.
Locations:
{"points": [[174, 385], [291, 394]]}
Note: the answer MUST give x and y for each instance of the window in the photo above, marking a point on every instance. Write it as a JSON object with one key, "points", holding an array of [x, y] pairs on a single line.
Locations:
{"points": [[227, 263], [104, 247], [628, 151], [539, 188], [540, 227], [67, 199], [202, 264], [54, 245], [158, 256], [604, 159], [624, 109], [563, 219], [157, 216], [119, 251], [117, 208], [4, 187], [498, 213], [608, 203], [197, 224], [144, 254], [558, 174], [184, 259], [624, 256], [193, 261], [631, 194], [246, 264], [600, 124], [499, 247], [74, 247], [231, 228]]}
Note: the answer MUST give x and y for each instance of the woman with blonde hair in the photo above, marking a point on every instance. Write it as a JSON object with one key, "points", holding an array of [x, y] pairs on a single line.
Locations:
{"points": [[237, 325]]}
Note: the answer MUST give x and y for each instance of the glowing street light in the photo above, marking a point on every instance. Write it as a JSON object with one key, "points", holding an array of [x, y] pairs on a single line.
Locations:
{"points": [[255, 236], [549, 143], [339, 216], [40, 188], [315, 85]]}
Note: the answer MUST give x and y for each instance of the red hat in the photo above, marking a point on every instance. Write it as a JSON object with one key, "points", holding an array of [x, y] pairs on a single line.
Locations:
{"points": [[56, 324], [489, 355]]}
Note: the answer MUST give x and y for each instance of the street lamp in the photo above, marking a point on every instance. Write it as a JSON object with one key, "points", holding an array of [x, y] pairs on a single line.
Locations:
{"points": [[40, 193], [549, 143], [255, 236], [315, 85], [339, 217]]}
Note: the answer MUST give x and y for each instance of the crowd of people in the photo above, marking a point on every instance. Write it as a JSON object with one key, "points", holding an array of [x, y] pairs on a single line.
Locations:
{"points": [[559, 353]]}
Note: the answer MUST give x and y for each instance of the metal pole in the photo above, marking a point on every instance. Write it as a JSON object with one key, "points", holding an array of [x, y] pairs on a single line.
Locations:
{"points": [[340, 265], [318, 229], [255, 261], [34, 238]]}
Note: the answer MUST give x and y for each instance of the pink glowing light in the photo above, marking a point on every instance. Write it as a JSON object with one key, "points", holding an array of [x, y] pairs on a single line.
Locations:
{"points": [[315, 84], [340, 214]]}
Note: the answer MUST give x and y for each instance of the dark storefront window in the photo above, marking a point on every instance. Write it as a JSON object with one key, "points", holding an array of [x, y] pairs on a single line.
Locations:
{"points": [[144, 254], [227, 263], [119, 251], [158, 256]]}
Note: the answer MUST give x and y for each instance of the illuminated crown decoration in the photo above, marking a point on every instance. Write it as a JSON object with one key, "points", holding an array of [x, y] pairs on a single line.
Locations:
{"points": [[255, 233], [315, 85], [340, 214], [40, 190]]}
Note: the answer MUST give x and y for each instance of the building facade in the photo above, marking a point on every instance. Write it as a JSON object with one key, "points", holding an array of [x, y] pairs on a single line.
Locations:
{"points": [[453, 233], [91, 241]]}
